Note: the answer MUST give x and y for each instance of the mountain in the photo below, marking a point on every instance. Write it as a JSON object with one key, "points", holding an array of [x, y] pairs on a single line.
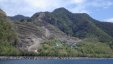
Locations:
{"points": [[18, 18], [57, 33], [80, 25]]}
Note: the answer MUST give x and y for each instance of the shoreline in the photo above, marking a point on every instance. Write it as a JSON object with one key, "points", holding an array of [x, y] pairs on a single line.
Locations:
{"points": [[41, 58]]}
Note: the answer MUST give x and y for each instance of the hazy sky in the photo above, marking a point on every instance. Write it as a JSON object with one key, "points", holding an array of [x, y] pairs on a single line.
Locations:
{"points": [[98, 9]]}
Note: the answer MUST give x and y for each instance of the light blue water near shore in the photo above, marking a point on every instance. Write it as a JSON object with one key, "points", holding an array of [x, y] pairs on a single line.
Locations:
{"points": [[59, 61]]}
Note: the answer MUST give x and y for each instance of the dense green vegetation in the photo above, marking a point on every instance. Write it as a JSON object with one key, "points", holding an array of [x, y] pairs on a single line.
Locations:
{"points": [[86, 48], [108, 28], [8, 38], [93, 48], [53, 48]]}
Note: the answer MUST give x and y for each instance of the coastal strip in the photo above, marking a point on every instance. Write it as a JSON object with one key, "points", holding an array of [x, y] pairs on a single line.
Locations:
{"points": [[44, 57]]}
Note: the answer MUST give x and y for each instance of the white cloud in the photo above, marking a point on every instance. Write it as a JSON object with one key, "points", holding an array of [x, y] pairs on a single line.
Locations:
{"points": [[109, 20], [13, 7], [46, 5], [80, 6], [101, 3], [29, 7], [80, 9], [78, 1]]}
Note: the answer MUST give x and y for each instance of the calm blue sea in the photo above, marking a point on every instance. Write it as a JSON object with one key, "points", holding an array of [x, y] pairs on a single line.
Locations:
{"points": [[59, 61]]}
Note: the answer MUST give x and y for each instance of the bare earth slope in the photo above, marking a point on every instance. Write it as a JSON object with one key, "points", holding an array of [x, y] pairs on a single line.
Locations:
{"points": [[31, 35]]}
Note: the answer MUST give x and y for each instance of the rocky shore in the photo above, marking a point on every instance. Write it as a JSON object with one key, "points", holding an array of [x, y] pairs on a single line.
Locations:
{"points": [[38, 57]]}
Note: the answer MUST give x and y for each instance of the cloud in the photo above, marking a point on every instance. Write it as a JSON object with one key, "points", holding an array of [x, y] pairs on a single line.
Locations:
{"points": [[46, 5], [13, 7], [109, 20], [79, 6], [83, 6], [101, 3], [78, 1], [29, 7]]}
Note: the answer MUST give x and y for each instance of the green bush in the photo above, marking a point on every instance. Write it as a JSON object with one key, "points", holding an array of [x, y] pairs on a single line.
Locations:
{"points": [[86, 48], [94, 49]]}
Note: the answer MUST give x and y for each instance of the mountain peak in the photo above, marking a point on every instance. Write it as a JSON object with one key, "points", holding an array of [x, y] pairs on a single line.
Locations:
{"points": [[62, 9]]}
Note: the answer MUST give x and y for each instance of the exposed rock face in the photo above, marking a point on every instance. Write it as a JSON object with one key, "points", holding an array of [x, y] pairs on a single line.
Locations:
{"points": [[30, 38]]}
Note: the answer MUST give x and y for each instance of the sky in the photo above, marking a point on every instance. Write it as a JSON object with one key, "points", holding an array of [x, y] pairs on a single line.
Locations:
{"points": [[98, 9]]}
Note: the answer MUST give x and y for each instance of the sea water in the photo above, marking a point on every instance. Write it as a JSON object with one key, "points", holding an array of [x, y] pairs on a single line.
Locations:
{"points": [[58, 61]]}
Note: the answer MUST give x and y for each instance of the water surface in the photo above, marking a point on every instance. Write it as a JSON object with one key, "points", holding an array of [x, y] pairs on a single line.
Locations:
{"points": [[59, 61]]}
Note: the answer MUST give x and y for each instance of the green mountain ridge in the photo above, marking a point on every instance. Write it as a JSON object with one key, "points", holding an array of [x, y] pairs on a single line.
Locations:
{"points": [[18, 18]]}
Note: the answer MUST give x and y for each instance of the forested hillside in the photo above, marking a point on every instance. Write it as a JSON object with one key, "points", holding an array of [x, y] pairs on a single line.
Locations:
{"points": [[8, 37]]}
